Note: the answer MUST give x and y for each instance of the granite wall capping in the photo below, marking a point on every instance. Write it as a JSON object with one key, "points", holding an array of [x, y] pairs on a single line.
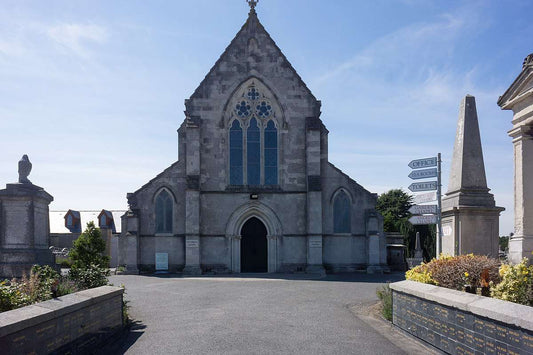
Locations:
{"points": [[460, 323], [64, 323], [503, 311]]}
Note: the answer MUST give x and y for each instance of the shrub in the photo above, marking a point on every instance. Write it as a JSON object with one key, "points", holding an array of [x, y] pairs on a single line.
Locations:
{"points": [[420, 273], [66, 286], [90, 277], [384, 293], [516, 285], [89, 249], [456, 272], [65, 263], [11, 296]]}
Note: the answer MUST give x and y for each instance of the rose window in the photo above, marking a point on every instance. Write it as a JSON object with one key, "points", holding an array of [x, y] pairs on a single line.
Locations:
{"points": [[263, 109], [243, 109]]}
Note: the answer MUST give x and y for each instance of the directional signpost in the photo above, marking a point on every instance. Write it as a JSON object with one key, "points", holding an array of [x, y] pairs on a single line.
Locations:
{"points": [[427, 214], [423, 186], [427, 197], [423, 163], [423, 209], [423, 174], [429, 219]]}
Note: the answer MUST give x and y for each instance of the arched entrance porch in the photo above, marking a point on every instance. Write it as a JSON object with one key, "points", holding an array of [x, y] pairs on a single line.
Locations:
{"points": [[237, 224], [254, 246]]}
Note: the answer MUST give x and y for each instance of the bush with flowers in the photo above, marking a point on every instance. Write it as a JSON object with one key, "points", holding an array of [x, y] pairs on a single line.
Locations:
{"points": [[455, 272], [516, 285], [508, 282]]}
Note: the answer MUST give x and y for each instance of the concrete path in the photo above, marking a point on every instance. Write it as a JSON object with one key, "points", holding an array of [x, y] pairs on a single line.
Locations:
{"points": [[256, 314]]}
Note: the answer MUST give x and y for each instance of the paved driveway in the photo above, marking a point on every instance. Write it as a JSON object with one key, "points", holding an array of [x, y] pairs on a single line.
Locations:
{"points": [[252, 315]]}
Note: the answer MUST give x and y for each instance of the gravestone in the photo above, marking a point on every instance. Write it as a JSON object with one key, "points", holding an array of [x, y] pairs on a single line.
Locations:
{"points": [[24, 225]]}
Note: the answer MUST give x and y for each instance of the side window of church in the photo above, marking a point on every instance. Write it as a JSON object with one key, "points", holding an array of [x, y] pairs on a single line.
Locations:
{"points": [[163, 212], [341, 213]]}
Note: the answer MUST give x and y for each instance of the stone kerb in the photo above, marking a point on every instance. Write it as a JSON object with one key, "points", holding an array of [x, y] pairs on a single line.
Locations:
{"points": [[456, 321], [64, 323]]}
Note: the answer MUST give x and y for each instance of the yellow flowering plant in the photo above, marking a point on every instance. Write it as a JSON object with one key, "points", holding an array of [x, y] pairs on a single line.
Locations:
{"points": [[420, 273], [516, 285]]}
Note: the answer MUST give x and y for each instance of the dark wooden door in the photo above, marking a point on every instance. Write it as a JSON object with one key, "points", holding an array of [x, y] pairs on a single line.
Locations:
{"points": [[254, 246]]}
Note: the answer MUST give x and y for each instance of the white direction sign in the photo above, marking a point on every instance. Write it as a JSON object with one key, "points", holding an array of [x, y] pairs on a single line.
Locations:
{"points": [[423, 209], [423, 174], [427, 197], [430, 219], [423, 186], [423, 163]]}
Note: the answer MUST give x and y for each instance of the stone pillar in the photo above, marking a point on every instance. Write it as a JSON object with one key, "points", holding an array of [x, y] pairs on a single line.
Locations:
{"points": [[128, 243], [470, 218], [521, 243], [192, 198], [24, 227], [314, 197], [519, 98], [272, 244], [376, 244], [235, 241]]}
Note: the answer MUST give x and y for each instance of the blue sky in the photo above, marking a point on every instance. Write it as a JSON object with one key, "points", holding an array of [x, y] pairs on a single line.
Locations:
{"points": [[93, 91]]}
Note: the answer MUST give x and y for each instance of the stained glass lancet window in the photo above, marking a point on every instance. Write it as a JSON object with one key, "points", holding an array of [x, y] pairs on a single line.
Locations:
{"points": [[163, 212], [253, 151], [235, 158], [341, 213], [271, 154]]}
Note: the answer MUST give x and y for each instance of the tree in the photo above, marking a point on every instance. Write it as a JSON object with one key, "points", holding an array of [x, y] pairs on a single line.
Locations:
{"points": [[394, 207], [89, 249]]}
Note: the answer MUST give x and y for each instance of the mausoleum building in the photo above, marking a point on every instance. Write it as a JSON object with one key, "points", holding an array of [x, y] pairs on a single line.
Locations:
{"points": [[252, 190]]}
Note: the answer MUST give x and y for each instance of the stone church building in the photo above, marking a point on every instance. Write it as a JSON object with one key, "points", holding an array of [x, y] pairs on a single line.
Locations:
{"points": [[252, 190]]}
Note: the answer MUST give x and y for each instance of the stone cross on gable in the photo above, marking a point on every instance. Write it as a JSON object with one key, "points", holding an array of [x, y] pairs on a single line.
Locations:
{"points": [[252, 3]]}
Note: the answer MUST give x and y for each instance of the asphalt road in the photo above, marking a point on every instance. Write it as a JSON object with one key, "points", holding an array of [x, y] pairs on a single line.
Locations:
{"points": [[253, 314]]}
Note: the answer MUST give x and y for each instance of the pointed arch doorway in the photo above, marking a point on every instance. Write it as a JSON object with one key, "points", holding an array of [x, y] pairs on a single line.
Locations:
{"points": [[254, 246]]}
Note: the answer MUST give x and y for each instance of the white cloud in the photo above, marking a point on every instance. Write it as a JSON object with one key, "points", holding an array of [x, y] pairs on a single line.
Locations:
{"points": [[408, 45], [76, 37]]}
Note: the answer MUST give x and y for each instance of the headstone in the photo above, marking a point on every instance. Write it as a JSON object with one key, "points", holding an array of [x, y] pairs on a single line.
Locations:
{"points": [[418, 248], [25, 232], [469, 211]]}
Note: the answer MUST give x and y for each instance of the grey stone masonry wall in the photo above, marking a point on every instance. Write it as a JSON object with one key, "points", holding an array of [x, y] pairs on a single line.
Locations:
{"points": [[68, 324], [24, 229], [461, 323]]}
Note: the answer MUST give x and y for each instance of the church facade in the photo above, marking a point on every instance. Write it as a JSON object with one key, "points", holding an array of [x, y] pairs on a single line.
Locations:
{"points": [[252, 190]]}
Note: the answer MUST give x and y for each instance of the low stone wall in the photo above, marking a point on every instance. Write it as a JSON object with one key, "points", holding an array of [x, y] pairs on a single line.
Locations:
{"points": [[63, 325], [461, 323]]}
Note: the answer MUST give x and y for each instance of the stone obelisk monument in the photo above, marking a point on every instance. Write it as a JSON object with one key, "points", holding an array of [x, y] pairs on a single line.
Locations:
{"points": [[519, 98], [24, 225], [470, 218]]}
